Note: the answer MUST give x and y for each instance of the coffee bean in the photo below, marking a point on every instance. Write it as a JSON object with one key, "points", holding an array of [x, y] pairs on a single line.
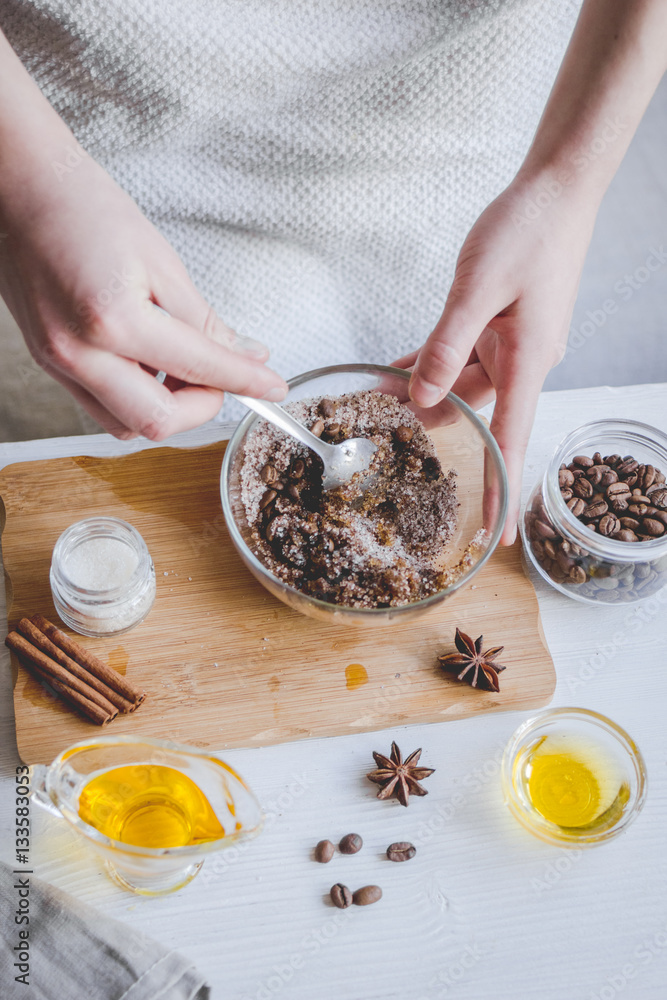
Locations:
{"points": [[327, 408], [367, 894], [268, 474], [649, 477], [268, 497], [583, 461], [618, 490], [566, 494], [627, 466], [293, 491], [595, 474], [332, 430], [271, 529], [625, 535], [597, 458], [350, 844], [549, 549], [658, 497], [595, 509], [638, 509], [577, 575], [609, 524], [317, 427], [618, 504], [341, 896], [565, 478], [583, 488], [401, 851], [629, 522], [611, 459], [609, 478], [577, 506], [565, 561], [298, 468], [545, 530], [324, 851], [652, 527], [404, 434]]}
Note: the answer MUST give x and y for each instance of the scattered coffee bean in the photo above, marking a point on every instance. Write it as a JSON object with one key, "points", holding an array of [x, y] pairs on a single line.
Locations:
{"points": [[317, 427], [298, 468], [403, 434], [333, 430], [366, 895], [401, 851], [350, 844], [324, 851], [327, 408], [341, 896]]}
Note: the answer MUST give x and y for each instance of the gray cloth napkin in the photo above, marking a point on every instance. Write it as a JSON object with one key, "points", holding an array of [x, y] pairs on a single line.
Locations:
{"points": [[76, 953]]}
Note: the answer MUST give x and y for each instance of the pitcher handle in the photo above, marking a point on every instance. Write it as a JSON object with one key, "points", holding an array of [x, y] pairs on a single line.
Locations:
{"points": [[38, 793]]}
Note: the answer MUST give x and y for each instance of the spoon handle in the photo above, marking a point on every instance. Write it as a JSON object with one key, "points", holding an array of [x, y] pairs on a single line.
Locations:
{"points": [[276, 415]]}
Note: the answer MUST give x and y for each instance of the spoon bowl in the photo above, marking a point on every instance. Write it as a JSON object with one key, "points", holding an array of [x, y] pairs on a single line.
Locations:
{"points": [[341, 461]]}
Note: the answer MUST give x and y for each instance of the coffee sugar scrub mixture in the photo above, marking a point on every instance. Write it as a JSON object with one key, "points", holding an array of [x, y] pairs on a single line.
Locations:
{"points": [[370, 549]]}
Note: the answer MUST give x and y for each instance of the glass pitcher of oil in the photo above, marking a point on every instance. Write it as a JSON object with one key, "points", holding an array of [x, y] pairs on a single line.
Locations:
{"points": [[153, 809]]}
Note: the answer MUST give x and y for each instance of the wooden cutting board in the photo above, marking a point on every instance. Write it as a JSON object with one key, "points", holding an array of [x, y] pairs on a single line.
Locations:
{"points": [[224, 663]]}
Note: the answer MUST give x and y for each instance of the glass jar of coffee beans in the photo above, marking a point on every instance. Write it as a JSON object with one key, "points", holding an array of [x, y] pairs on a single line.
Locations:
{"points": [[595, 527]]}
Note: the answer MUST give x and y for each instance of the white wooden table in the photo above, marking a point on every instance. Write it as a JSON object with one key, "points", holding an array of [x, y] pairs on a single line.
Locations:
{"points": [[484, 910]]}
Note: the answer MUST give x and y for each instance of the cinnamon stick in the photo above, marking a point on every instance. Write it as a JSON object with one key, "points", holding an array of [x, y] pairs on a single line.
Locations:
{"points": [[94, 705], [37, 638], [89, 661]]}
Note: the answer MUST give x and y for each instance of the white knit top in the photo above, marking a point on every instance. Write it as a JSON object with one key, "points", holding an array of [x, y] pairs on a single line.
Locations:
{"points": [[316, 163]]}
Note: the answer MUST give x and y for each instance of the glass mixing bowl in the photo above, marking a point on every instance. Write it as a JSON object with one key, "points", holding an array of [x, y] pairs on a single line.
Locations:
{"points": [[462, 441]]}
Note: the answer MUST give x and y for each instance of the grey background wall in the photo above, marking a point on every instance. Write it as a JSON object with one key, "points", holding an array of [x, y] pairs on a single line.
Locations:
{"points": [[619, 327]]}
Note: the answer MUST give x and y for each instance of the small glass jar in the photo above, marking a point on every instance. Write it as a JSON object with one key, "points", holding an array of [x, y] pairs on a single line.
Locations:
{"points": [[102, 577], [573, 558]]}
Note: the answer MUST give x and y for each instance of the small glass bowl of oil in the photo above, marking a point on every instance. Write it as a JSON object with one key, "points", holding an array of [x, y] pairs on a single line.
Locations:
{"points": [[573, 777], [152, 809]]}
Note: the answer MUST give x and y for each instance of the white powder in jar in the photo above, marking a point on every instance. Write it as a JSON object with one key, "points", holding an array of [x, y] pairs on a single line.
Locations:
{"points": [[101, 564]]}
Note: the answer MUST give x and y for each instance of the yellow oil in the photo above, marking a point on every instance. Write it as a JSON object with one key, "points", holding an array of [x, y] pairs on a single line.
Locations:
{"points": [[355, 675], [574, 785], [149, 805]]}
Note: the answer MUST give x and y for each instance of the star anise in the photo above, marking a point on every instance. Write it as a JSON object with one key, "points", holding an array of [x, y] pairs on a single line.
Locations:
{"points": [[479, 670], [399, 777]]}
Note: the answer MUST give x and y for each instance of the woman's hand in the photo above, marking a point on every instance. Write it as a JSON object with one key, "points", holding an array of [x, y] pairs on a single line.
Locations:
{"points": [[507, 316], [80, 269]]}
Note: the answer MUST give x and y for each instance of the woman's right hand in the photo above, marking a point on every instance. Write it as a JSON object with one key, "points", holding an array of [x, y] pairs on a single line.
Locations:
{"points": [[81, 269]]}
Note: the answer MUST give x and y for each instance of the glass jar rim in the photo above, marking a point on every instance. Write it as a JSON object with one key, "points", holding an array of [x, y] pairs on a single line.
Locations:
{"points": [[601, 545], [132, 536]]}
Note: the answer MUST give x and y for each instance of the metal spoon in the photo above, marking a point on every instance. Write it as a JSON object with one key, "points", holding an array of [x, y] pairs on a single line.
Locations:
{"points": [[341, 461]]}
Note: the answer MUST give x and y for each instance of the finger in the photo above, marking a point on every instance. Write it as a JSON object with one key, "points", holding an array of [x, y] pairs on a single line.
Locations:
{"points": [[104, 417], [474, 386], [407, 361], [139, 401], [168, 344], [511, 426], [182, 300], [446, 352]]}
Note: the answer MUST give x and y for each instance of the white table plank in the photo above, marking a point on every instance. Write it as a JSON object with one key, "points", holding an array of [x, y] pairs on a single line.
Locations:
{"points": [[484, 910]]}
